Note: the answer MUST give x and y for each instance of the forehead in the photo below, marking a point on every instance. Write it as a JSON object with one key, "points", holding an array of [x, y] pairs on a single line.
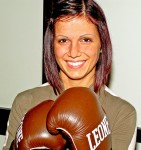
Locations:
{"points": [[75, 25]]}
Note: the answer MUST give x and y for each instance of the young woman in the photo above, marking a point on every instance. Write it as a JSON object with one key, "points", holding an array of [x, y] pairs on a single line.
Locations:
{"points": [[78, 52]]}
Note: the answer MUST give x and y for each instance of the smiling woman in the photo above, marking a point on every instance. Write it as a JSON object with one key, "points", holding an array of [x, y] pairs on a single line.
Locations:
{"points": [[77, 55]]}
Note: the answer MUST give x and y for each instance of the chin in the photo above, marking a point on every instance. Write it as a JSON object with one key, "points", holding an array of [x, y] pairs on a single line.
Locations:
{"points": [[76, 77]]}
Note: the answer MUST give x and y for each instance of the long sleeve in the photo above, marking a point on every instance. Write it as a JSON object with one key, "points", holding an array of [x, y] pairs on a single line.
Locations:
{"points": [[122, 118], [23, 102]]}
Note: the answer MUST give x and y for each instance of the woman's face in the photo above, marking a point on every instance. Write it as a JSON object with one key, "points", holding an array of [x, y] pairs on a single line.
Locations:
{"points": [[76, 47]]}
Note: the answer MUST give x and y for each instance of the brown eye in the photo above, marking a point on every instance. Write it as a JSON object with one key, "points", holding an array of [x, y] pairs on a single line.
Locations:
{"points": [[62, 41], [86, 40]]}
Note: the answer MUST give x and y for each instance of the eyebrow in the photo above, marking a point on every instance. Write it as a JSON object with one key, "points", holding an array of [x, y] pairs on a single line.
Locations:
{"points": [[62, 35], [87, 34], [80, 35]]}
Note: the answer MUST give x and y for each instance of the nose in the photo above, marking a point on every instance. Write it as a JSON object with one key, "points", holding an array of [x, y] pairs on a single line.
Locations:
{"points": [[74, 50]]}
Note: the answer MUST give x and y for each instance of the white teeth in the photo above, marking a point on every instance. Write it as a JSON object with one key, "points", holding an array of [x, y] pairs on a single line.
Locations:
{"points": [[76, 63]]}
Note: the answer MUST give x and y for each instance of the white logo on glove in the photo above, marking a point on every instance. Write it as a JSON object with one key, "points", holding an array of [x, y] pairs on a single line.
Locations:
{"points": [[99, 133], [19, 135]]}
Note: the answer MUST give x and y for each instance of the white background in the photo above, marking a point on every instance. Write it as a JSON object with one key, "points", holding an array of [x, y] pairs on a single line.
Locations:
{"points": [[21, 48]]}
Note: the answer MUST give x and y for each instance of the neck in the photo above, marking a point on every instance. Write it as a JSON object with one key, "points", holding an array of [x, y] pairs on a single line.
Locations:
{"points": [[68, 83]]}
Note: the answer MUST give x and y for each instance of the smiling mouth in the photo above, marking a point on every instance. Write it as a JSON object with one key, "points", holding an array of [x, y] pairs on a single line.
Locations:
{"points": [[77, 64]]}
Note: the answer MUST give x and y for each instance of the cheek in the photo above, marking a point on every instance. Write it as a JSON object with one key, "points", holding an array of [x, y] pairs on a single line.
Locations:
{"points": [[93, 53], [95, 58], [59, 52]]}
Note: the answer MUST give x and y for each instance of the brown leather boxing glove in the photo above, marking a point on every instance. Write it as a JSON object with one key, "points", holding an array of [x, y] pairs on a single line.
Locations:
{"points": [[32, 132], [79, 115]]}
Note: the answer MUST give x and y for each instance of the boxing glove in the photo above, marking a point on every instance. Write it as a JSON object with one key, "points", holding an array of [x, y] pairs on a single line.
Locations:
{"points": [[79, 115], [32, 132]]}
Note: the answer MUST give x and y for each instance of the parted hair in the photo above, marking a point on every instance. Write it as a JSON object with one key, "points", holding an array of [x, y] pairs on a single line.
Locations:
{"points": [[73, 8]]}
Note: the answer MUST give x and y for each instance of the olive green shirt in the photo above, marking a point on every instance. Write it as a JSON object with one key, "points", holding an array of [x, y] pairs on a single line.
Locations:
{"points": [[120, 113]]}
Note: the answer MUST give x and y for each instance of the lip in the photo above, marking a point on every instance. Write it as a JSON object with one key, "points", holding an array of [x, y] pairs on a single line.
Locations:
{"points": [[75, 64]]}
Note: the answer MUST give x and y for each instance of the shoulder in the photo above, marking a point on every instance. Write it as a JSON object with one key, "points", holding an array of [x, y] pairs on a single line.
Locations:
{"points": [[108, 97], [116, 107], [32, 97]]}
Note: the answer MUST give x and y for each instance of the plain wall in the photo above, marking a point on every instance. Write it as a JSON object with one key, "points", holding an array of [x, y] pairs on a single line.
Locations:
{"points": [[21, 27]]}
